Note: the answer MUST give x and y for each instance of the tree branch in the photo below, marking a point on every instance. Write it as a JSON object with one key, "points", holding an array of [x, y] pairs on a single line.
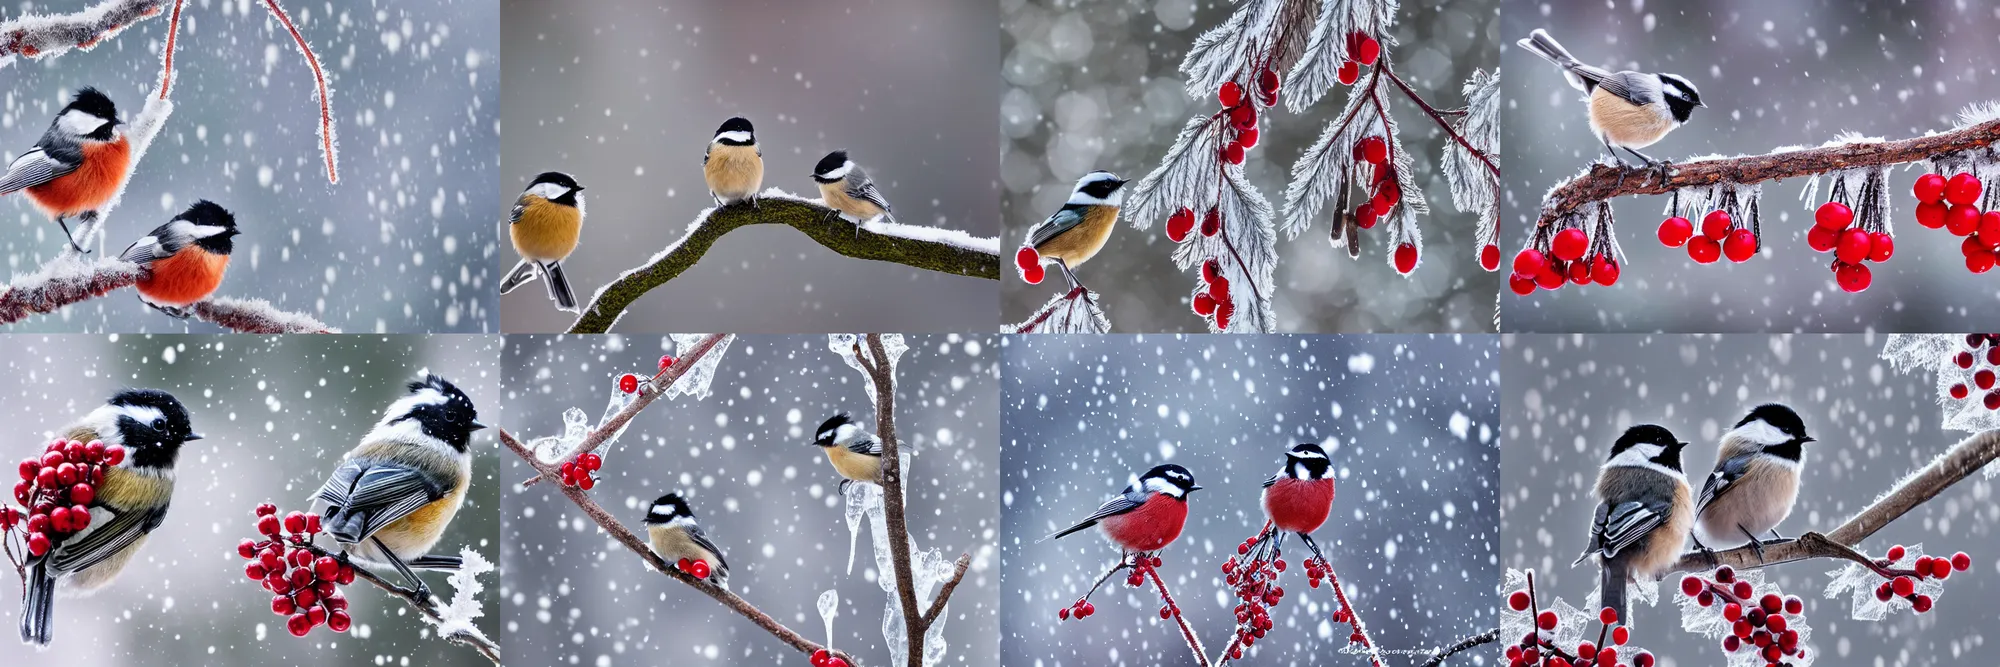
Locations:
{"points": [[919, 247], [884, 376], [425, 605], [617, 531], [1187, 632], [69, 279], [1467, 643], [1605, 181], [944, 592], [649, 391], [326, 137], [48, 35], [1961, 461], [255, 316]]}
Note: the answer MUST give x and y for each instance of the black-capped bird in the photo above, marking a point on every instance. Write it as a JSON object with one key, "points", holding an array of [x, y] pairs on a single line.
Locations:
{"points": [[391, 497], [546, 222], [674, 535], [1756, 478], [80, 163], [1643, 512], [854, 452], [151, 425], [1629, 110], [733, 164], [1079, 229], [185, 259], [845, 188]]}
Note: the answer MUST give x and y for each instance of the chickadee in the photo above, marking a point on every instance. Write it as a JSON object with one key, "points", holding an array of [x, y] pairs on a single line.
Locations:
{"points": [[1643, 511], [545, 224], [733, 165], [1756, 478], [1628, 110], [854, 453], [1148, 515], [672, 531], [151, 425], [185, 258], [392, 496], [79, 164], [1299, 497], [846, 188], [1078, 230]]}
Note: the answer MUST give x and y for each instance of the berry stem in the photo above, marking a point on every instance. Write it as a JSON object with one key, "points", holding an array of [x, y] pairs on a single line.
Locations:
{"points": [[167, 60], [649, 391], [423, 604], [1439, 117], [1187, 633], [327, 148]]}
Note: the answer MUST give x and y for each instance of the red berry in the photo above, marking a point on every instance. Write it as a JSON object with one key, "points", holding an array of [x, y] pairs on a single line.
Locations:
{"points": [[38, 543], [339, 621], [699, 569], [1579, 272], [1520, 284], [836, 661], [1979, 262], [1224, 312], [29, 469], [1204, 305], [1961, 562], [1621, 635], [1931, 214], [1489, 258], [1218, 289], [1962, 190], [295, 522], [1740, 246], [819, 657], [1930, 188], [1794, 605], [1033, 275], [1350, 72], [1922, 604], [1704, 250], [79, 518], [1853, 277], [1267, 81], [1643, 659], [1962, 220], [1822, 239], [1179, 224], [1882, 246], [586, 483], [1243, 117], [1716, 225], [1365, 215], [1553, 276], [1374, 150], [1570, 244], [1233, 153], [1992, 400], [1675, 231], [590, 461], [1248, 138], [1230, 95], [298, 625], [1904, 586], [267, 509], [1546, 620], [1211, 224], [1023, 258], [628, 383], [1959, 391], [268, 525], [1368, 51], [1989, 225], [114, 454], [1690, 586], [1406, 258], [1609, 616], [1854, 246], [326, 567], [1530, 262], [1518, 601], [1983, 378], [1833, 215], [1388, 193], [81, 494]]}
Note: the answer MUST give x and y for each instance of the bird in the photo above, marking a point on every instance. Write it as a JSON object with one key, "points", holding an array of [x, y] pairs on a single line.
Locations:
{"points": [[184, 259], [1079, 229], [79, 164], [855, 453], [733, 164], [545, 224], [392, 496], [1300, 496], [1148, 515], [151, 425], [846, 188], [672, 531], [1756, 478], [1643, 512], [1629, 110]]}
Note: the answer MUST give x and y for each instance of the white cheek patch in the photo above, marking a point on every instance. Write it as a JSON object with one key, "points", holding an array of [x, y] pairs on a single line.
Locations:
{"points": [[662, 508], [80, 123], [140, 413], [840, 172], [1762, 433], [733, 137], [1157, 485], [547, 190], [845, 432], [403, 406], [205, 231]]}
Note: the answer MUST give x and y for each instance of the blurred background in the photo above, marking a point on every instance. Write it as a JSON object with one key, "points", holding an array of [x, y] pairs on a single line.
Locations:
{"points": [[1409, 422], [397, 246], [625, 95], [1773, 73], [1097, 85], [278, 412], [743, 459], [1569, 397]]}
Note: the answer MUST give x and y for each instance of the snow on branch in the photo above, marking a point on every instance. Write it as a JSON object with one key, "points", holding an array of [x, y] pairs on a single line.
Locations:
{"points": [[327, 142], [1603, 182], [48, 35], [934, 249], [255, 316], [454, 618], [1463, 645], [70, 279]]}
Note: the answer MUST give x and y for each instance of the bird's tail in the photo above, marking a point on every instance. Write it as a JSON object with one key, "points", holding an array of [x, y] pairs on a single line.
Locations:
{"points": [[38, 602], [346, 527], [559, 287], [1067, 531], [522, 273], [436, 563], [1611, 587], [1540, 43]]}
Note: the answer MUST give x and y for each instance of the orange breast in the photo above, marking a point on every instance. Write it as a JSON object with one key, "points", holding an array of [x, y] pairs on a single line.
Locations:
{"points": [[189, 276], [91, 185]]}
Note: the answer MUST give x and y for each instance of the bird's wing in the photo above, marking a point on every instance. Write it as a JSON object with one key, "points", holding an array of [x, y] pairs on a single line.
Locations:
{"points": [[1624, 524], [1273, 479], [700, 538], [33, 168], [706, 151], [1724, 478], [1629, 86], [860, 187], [520, 207], [1596, 545], [379, 491], [110, 532], [162, 243], [1064, 220], [1120, 504], [867, 445]]}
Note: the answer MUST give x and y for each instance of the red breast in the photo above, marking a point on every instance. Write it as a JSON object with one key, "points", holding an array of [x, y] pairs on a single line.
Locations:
{"points": [[94, 182], [1153, 525], [189, 276], [1297, 505]]}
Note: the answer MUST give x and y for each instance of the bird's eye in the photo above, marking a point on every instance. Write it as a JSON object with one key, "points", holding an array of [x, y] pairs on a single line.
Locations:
{"points": [[160, 422]]}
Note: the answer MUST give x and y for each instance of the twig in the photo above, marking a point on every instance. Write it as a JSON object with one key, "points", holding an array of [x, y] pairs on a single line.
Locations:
{"points": [[648, 392], [1959, 462], [944, 592], [424, 605], [326, 139], [617, 531], [49, 35], [256, 316], [1605, 181], [1187, 633], [1442, 123], [1079, 301], [69, 279], [823, 224], [1467, 643], [884, 377], [167, 54]]}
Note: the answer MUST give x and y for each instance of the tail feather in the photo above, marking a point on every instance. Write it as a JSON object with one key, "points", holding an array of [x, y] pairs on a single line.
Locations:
{"points": [[522, 273], [1540, 43], [346, 527], [37, 605], [559, 287], [1067, 531], [1611, 588], [435, 562]]}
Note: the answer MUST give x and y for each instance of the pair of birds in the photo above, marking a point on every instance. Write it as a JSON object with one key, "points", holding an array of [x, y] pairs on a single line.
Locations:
{"points": [[80, 165], [547, 219], [1646, 508], [674, 534], [1150, 513], [387, 502]]}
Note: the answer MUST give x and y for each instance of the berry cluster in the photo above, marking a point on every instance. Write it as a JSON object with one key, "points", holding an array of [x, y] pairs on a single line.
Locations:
{"points": [[1926, 567], [578, 472], [1721, 236], [1215, 302], [1853, 236], [1030, 263], [826, 658], [1362, 51], [57, 487], [1538, 647], [1954, 205], [1763, 624], [695, 568], [1572, 257], [1254, 581], [305, 584], [1143, 566], [628, 383], [1983, 378], [1242, 115]]}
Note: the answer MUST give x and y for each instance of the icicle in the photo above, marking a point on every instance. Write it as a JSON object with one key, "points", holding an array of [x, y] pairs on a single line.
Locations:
{"points": [[829, 607]]}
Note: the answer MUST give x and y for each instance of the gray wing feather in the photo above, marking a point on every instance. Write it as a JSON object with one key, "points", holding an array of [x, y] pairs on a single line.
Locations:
{"points": [[382, 492], [521, 206], [699, 537], [1120, 504], [1725, 476], [165, 243], [33, 168], [1623, 525], [860, 187], [869, 446], [114, 536], [1272, 480], [1639, 89], [1064, 220]]}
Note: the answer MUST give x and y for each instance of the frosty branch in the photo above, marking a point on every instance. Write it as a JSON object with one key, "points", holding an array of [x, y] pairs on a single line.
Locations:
{"points": [[1961, 461], [648, 392], [424, 605], [48, 35], [1605, 181], [876, 362], [69, 279], [918, 247], [1463, 645]]}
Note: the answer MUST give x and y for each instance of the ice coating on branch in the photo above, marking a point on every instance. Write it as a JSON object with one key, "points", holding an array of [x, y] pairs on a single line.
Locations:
{"points": [[1517, 624], [554, 448], [458, 616], [829, 607], [845, 345], [1318, 70], [45, 35], [1859, 584], [1918, 353], [697, 379], [1217, 55], [1075, 311]]}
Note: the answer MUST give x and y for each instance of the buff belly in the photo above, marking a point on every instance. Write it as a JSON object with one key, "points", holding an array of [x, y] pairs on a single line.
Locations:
{"points": [[857, 467], [93, 183], [673, 544], [835, 195], [1625, 124], [547, 231], [413, 535], [733, 172], [1663, 547], [1080, 243], [1759, 501]]}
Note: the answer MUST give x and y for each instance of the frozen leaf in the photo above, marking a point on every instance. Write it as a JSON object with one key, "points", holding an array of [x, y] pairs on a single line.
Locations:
{"points": [[1859, 584]]}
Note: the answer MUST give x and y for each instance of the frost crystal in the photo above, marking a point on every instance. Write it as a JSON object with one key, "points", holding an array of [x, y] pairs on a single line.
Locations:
{"points": [[845, 345], [1570, 621], [1916, 353], [1075, 311], [1473, 187], [1859, 584], [457, 616], [695, 383]]}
